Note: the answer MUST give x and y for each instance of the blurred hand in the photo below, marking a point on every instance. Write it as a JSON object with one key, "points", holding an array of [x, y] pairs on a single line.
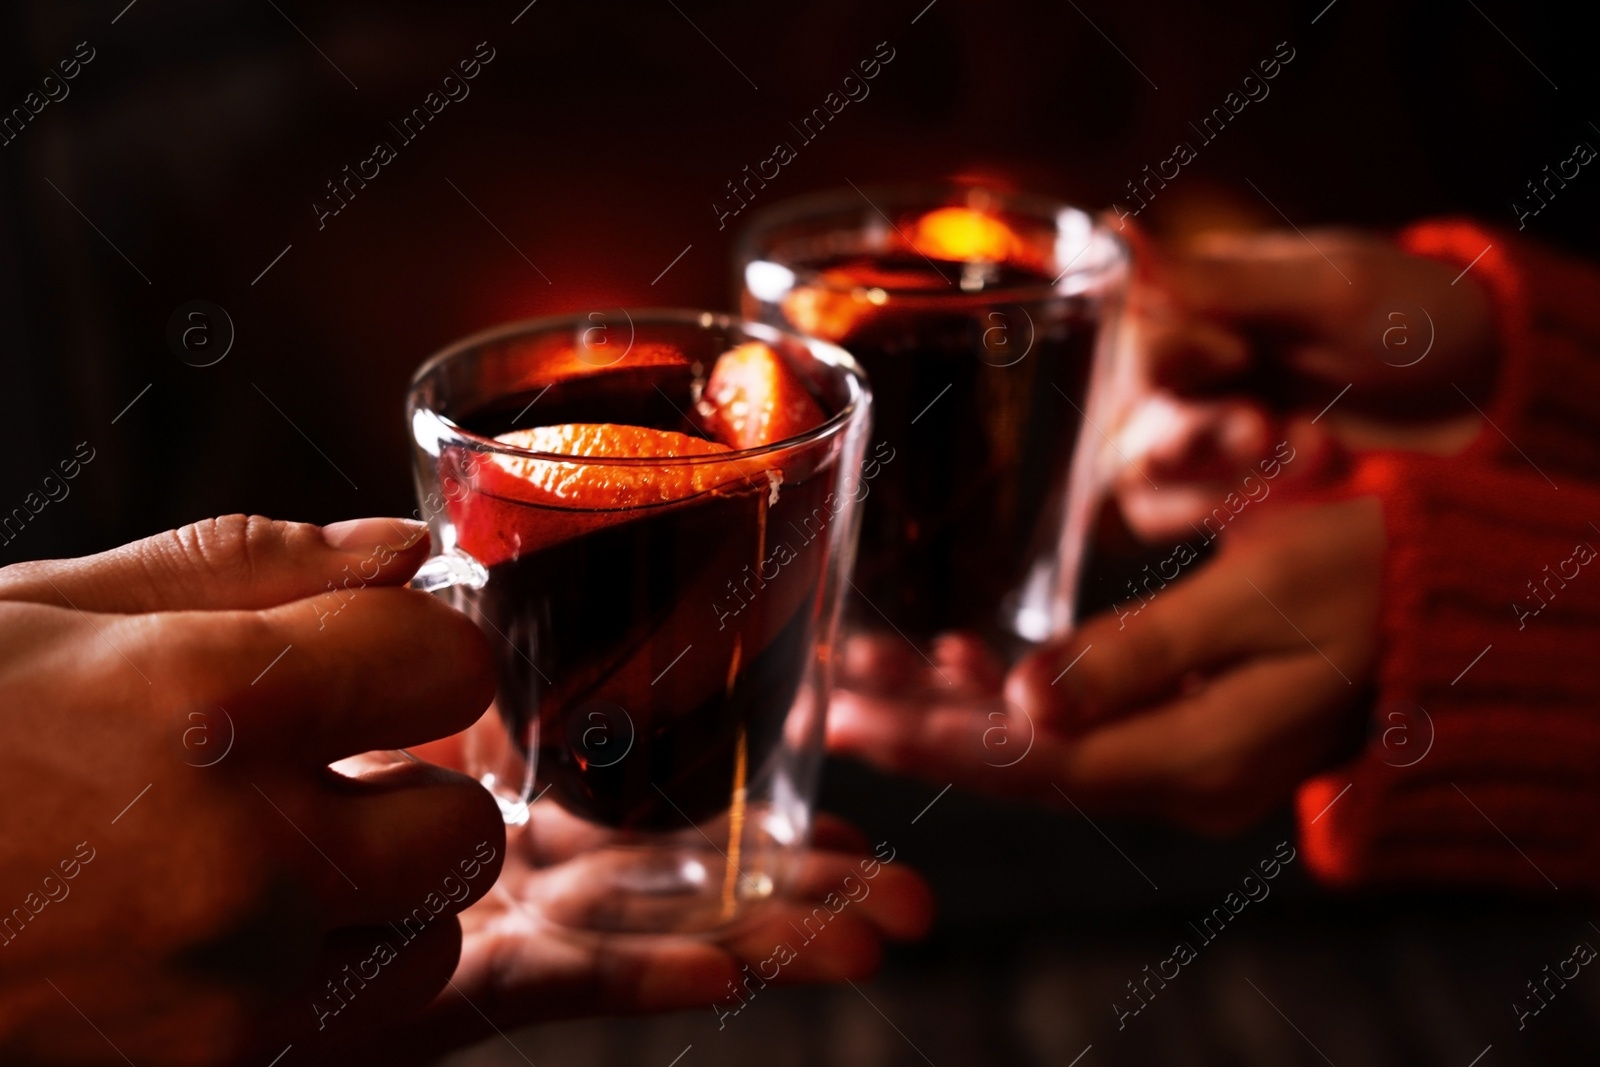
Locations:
{"points": [[1243, 339], [181, 874], [1308, 315], [1206, 707]]}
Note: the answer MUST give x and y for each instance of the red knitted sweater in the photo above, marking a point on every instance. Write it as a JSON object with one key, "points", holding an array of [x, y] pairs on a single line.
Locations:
{"points": [[1491, 617]]}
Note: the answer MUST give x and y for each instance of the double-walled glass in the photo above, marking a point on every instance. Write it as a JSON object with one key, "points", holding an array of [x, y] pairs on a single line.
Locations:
{"points": [[664, 627], [982, 318]]}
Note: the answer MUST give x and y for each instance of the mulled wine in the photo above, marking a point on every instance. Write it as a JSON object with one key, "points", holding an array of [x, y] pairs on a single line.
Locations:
{"points": [[662, 628], [980, 317], [980, 397]]}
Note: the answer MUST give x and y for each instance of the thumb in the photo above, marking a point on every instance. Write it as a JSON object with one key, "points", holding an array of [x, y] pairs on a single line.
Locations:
{"points": [[229, 563], [1143, 650]]}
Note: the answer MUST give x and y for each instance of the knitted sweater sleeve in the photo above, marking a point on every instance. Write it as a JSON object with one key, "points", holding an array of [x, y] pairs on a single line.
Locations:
{"points": [[1484, 764], [1545, 411]]}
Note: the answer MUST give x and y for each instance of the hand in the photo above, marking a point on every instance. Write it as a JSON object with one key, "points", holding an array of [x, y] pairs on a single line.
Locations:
{"points": [[517, 967], [938, 714], [1310, 314], [1206, 707], [187, 873], [1244, 340]]}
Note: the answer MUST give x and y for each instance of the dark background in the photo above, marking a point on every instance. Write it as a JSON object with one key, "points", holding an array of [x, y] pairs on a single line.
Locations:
{"points": [[595, 143]]}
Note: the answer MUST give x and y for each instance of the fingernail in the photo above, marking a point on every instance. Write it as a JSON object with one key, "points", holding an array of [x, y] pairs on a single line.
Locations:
{"points": [[365, 535]]}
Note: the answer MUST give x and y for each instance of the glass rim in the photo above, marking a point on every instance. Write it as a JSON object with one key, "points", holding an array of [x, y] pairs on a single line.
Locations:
{"points": [[824, 351], [1045, 209]]}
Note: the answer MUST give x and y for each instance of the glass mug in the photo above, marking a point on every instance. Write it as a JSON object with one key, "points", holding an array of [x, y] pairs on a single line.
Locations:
{"points": [[984, 319], [663, 627]]}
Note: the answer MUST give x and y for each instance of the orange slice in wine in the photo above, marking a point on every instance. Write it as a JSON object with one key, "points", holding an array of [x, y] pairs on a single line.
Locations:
{"points": [[574, 484], [753, 399], [518, 504]]}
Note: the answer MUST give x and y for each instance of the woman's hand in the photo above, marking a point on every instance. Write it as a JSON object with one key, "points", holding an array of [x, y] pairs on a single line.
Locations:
{"points": [[1302, 316], [1206, 706], [1332, 342]]}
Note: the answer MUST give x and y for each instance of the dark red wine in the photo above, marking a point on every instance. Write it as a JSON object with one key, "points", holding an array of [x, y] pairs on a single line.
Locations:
{"points": [[659, 649], [978, 397]]}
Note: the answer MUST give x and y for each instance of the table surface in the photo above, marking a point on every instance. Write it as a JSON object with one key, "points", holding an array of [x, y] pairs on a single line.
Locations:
{"points": [[1044, 920]]}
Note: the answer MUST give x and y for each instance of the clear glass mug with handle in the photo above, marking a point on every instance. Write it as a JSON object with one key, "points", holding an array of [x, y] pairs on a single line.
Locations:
{"points": [[663, 615], [987, 321]]}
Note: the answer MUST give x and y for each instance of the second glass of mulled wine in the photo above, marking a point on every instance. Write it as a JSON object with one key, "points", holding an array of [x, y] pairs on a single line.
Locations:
{"points": [[982, 318]]}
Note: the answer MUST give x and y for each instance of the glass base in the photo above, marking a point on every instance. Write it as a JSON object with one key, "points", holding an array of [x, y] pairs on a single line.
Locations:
{"points": [[645, 891], [587, 878]]}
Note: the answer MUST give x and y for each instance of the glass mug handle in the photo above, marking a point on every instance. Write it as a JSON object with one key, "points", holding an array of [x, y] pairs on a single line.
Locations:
{"points": [[449, 569], [488, 750]]}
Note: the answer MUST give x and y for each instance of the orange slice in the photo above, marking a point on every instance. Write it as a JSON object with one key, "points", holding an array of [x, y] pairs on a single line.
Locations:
{"points": [[612, 485], [845, 296], [753, 399], [824, 311], [519, 504]]}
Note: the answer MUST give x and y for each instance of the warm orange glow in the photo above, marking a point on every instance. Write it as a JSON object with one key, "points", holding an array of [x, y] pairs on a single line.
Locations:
{"points": [[960, 233]]}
